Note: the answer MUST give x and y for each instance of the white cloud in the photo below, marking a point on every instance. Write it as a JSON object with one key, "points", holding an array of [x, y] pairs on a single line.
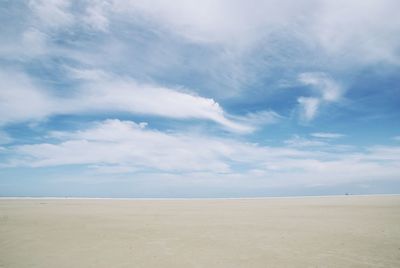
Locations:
{"points": [[52, 13], [258, 119], [309, 107], [262, 117], [132, 97], [356, 32], [384, 153], [353, 31], [237, 36], [205, 21], [22, 100], [87, 74], [28, 44], [115, 146], [115, 142], [327, 135], [95, 15], [238, 40], [297, 141], [346, 31], [327, 91], [34, 42]]}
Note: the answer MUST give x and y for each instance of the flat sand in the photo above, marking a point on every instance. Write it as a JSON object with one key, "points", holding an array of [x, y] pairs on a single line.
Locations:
{"points": [[341, 231]]}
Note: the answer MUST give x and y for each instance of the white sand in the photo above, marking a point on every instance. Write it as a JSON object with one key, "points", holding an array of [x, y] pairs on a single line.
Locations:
{"points": [[347, 231]]}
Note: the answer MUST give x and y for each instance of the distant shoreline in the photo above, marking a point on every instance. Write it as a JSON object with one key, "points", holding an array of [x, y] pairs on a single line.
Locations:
{"points": [[188, 198]]}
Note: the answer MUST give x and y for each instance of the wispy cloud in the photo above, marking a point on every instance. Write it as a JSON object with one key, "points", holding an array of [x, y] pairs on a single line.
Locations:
{"points": [[96, 15], [327, 135], [297, 141], [308, 107], [326, 91], [259, 119], [5, 138], [53, 13], [115, 142], [22, 100], [127, 147], [201, 72], [333, 34], [337, 27]]}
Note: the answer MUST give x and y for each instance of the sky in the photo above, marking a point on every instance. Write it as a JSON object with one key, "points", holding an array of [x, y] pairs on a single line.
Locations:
{"points": [[212, 98]]}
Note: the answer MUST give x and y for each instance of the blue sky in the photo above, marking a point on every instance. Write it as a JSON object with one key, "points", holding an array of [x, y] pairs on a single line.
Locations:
{"points": [[119, 98]]}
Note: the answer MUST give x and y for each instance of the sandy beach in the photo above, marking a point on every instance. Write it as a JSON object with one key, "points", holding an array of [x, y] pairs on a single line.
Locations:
{"points": [[340, 231]]}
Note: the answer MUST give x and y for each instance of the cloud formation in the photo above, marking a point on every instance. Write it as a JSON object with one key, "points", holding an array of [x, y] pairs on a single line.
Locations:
{"points": [[124, 146], [201, 74], [326, 90], [340, 28], [22, 100], [308, 107], [327, 135], [336, 36], [297, 141]]}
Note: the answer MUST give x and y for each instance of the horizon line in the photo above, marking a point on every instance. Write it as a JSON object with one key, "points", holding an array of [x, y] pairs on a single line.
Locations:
{"points": [[186, 198]]}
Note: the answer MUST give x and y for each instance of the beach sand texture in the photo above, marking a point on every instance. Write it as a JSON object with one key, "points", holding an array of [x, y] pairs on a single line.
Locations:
{"points": [[340, 231]]}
